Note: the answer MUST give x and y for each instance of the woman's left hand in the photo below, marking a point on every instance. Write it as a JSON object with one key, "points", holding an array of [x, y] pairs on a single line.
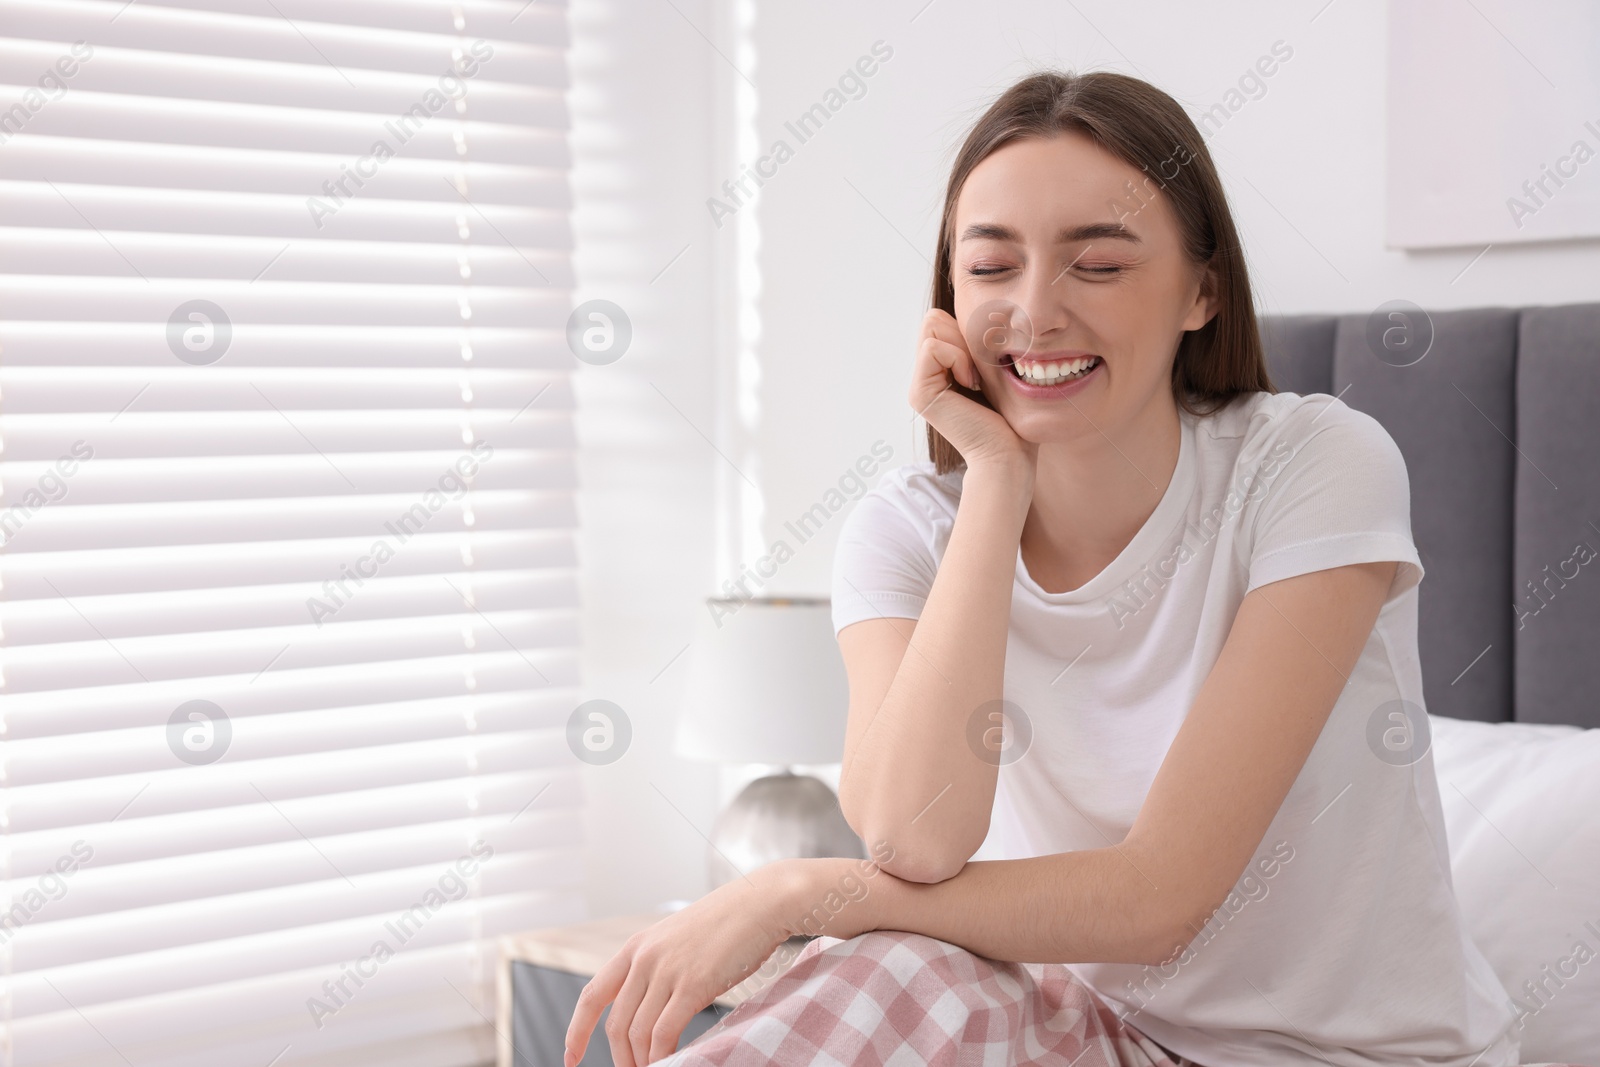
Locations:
{"points": [[669, 971]]}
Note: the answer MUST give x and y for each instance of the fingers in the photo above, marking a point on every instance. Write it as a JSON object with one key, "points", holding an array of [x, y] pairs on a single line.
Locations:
{"points": [[950, 347], [599, 992], [620, 1021], [669, 1027], [641, 1030], [943, 325], [936, 356]]}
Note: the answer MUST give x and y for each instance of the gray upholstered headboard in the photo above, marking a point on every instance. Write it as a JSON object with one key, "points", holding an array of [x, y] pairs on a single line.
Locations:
{"points": [[1499, 422]]}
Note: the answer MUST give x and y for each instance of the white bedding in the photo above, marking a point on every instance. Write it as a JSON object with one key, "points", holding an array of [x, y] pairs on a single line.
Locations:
{"points": [[1522, 812]]}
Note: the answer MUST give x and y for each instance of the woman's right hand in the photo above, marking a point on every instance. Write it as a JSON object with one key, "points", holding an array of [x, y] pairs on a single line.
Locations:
{"points": [[980, 433]]}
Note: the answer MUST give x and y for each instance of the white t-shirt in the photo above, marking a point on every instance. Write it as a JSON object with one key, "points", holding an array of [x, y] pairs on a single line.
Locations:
{"points": [[1342, 943]]}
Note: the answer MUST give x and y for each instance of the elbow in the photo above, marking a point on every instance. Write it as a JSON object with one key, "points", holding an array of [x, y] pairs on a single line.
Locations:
{"points": [[921, 864], [916, 855], [927, 853]]}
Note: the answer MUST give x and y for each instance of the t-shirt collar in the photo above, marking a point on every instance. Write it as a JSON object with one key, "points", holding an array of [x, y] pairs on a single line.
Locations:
{"points": [[1148, 543]]}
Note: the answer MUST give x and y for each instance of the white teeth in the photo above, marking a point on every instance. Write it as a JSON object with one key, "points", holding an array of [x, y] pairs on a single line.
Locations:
{"points": [[1053, 373]]}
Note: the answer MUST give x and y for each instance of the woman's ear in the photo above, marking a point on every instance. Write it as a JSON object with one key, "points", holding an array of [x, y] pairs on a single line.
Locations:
{"points": [[1204, 308]]}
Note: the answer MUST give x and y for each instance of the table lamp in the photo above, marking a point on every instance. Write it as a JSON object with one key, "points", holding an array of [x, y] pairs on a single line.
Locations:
{"points": [[766, 685]]}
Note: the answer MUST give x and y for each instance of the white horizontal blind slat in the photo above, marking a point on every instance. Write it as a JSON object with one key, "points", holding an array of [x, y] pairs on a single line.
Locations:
{"points": [[340, 516], [251, 1017]]}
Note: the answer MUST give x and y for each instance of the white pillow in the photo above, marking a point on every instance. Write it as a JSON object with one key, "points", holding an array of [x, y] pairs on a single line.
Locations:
{"points": [[1522, 813]]}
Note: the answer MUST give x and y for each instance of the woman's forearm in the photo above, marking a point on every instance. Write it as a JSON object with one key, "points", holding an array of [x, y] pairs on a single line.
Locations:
{"points": [[911, 779], [1074, 907]]}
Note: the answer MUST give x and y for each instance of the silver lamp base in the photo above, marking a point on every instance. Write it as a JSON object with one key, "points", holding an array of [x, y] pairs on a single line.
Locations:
{"points": [[781, 816]]}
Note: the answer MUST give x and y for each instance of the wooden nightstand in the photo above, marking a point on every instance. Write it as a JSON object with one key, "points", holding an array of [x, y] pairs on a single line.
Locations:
{"points": [[541, 973]]}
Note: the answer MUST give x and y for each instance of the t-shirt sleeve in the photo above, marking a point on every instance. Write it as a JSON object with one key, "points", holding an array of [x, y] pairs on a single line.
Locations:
{"points": [[883, 564], [1342, 496]]}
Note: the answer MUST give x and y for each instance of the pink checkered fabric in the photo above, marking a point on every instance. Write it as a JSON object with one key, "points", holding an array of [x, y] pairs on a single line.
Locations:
{"points": [[892, 998]]}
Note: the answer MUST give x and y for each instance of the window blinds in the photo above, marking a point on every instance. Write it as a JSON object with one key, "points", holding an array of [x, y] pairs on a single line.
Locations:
{"points": [[289, 615]]}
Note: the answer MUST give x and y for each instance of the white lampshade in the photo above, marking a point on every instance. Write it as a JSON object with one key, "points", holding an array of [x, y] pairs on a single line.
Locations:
{"points": [[765, 685]]}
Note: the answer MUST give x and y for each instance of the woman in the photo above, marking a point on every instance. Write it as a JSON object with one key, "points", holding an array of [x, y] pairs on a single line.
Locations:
{"points": [[1184, 605]]}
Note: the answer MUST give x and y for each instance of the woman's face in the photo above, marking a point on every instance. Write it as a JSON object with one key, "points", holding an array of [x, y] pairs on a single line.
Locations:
{"points": [[1066, 273]]}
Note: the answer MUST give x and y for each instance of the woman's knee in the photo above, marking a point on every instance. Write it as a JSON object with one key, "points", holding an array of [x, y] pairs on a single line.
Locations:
{"points": [[906, 958], [878, 943]]}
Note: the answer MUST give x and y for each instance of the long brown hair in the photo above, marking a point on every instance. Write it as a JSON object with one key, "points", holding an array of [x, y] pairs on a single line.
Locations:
{"points": [[1143, 126]]}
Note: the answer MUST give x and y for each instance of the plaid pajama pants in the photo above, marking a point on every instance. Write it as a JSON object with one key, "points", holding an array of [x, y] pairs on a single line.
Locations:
{"points": [[894, 998], [890, 998]]}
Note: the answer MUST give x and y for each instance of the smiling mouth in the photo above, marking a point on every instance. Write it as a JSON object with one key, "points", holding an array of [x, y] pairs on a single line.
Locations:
{"points": [[1051, 372]]}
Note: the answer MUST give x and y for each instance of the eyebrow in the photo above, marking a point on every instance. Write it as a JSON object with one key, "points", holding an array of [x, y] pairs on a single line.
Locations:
{"points": [[1096, 231]]}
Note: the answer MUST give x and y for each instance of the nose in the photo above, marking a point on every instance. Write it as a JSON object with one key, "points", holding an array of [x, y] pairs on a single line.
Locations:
{"points": [[1043, 298]]}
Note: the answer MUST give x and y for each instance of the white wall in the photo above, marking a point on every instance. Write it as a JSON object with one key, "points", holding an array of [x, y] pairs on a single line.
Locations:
{"points": [[844, 273], [846, 227], [642, 127]]}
